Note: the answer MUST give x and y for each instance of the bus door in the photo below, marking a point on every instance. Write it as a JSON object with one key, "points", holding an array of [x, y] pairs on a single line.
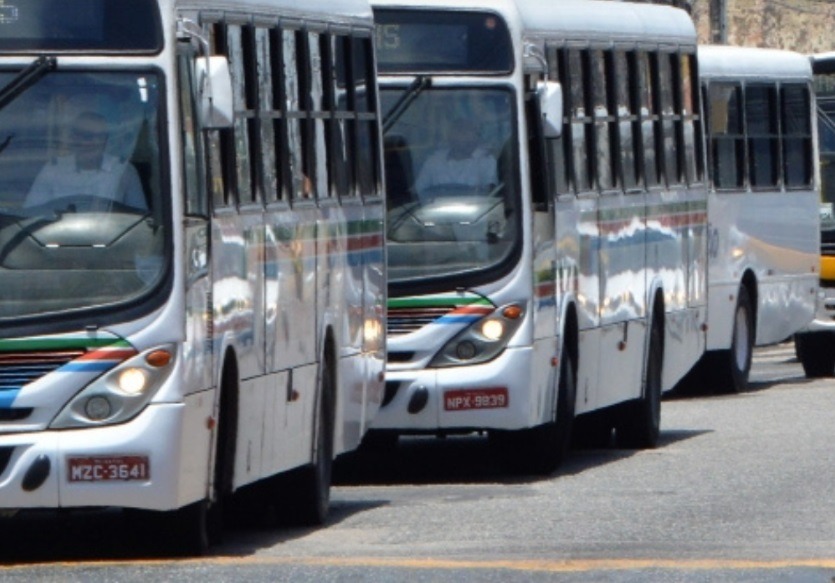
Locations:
{"points": [[198, 347]]}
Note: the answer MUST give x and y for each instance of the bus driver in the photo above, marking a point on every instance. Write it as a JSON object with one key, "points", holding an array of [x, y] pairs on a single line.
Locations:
{"points": [[464, 162], [88, 170]]}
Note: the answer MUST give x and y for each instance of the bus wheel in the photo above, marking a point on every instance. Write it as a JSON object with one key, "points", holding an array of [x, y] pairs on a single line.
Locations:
{"points": [[185, 532], [816, 352], [734, 364], [639, 422], [306, 491], [542, 449]]}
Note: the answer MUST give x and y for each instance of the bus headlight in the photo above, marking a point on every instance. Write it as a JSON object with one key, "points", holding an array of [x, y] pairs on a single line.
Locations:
{"points": [[119, 394], [132, 381], [482, 341]]}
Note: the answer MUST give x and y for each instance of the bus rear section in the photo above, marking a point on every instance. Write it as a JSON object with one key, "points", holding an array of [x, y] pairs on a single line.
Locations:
{"points": [[762, 206]]}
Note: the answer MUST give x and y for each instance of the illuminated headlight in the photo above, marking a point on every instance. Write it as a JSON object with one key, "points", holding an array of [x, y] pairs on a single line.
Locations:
{"points": [[492, 330], [121, 393], [132, 381], [482, 341]]}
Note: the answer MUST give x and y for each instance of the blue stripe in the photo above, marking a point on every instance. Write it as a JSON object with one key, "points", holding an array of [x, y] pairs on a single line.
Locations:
{"points": [[457, 319], [7, 397], [90, 366]]}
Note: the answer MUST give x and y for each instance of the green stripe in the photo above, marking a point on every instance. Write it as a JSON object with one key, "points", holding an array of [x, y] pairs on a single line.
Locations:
{"points": [[435, 301], [59, 343]]}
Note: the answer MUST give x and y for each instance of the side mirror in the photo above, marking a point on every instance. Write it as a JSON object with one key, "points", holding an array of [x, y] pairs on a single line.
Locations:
{"points": [[214, 86], [550, 104]]}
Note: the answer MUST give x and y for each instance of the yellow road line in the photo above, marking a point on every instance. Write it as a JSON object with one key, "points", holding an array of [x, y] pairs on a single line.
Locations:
{"points": [[529, 565]]}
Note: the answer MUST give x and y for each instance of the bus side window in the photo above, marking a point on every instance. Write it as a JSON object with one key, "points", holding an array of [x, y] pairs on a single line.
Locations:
{"points": [[580, 119], [648, 119], [669, 119], [604, 133], [266, 171], [761, 129], [557, 153], [367, 145], [220, 143], [195, 202], [727, 142], [797, 135], [624, 73]]}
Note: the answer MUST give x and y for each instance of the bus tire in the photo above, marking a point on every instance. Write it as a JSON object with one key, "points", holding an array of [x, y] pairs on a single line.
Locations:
{"points": [[541, 450], [734, 364], [816, 352], [306, 491], [639, 421]]}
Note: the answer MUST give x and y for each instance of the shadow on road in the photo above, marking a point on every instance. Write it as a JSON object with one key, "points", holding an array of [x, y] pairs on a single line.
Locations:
{"points": [[465, 460]]}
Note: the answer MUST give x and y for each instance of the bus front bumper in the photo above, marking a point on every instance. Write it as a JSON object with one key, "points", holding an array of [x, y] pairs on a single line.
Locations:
{"points": [[134, 464], [494, 395]]}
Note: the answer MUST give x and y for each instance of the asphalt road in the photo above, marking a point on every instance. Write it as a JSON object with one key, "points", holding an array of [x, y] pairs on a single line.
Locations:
{"points": [[739, 489]]}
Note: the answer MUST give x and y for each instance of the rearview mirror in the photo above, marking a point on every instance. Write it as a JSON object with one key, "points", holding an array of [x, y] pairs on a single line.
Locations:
{"points": [[214, 85], [550, 104]]}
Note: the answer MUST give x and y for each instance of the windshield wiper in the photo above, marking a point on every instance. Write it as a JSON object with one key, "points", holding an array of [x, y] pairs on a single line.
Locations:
{"points": [[26, 78], [414, 89]]}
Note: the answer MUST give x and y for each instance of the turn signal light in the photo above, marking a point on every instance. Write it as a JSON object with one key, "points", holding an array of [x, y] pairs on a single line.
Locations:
{"points": [[512, 312], [158, 358]]}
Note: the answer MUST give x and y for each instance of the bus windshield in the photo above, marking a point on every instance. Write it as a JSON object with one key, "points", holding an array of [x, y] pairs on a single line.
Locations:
{"points": [[825, 91], [82, 220], [452, 183]]}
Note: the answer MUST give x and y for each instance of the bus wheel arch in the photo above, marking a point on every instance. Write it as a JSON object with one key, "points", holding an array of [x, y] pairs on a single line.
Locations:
{"points": [[639, 421], [223, 470], [308, 488], [734, 364]]}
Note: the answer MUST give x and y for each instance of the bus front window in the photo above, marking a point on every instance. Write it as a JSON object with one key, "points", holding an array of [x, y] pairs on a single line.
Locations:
{"points": [[825, 91], [82, 221], [451, 180]]}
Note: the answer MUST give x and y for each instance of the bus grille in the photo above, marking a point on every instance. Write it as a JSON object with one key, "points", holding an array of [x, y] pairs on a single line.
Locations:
{"points": [[406, 320], [5, 455], [21, 368]]}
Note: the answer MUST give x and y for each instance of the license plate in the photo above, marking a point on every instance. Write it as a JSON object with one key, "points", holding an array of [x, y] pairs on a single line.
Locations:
{"points": [[123, 468], [465, 399]]}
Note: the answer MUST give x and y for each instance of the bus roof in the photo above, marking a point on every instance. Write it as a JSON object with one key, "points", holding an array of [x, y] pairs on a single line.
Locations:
{"points": [[824, 62], [577, 20], [726, 62], [347, 11]]}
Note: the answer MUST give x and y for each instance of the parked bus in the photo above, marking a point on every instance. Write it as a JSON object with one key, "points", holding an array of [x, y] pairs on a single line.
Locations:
{"points": [[198, 303], [763, 231], [815, 346], [546, 219]]}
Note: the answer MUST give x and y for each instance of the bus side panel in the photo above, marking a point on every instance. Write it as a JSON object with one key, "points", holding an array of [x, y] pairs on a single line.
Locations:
{"points": [[671, 260], [340, 297], [622, 232], [374, 308]]}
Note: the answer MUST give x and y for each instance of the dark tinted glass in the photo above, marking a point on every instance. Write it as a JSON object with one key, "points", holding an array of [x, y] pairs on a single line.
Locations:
{"points": [[80, 25], [438, 41]]}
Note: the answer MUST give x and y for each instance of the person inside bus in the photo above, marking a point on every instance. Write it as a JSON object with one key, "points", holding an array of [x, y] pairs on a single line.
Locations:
{"points": [[88, 170], [463, 162]]}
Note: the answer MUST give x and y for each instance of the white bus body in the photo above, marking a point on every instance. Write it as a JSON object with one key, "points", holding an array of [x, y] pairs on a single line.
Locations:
{"points": [[816, 344], [576, 282], [763, 233], [231, 327]]}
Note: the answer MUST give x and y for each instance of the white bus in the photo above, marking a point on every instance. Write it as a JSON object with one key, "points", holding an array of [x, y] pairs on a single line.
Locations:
{"points": [[816, 344], [198, 303], [763, 233], [559, 268]]}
